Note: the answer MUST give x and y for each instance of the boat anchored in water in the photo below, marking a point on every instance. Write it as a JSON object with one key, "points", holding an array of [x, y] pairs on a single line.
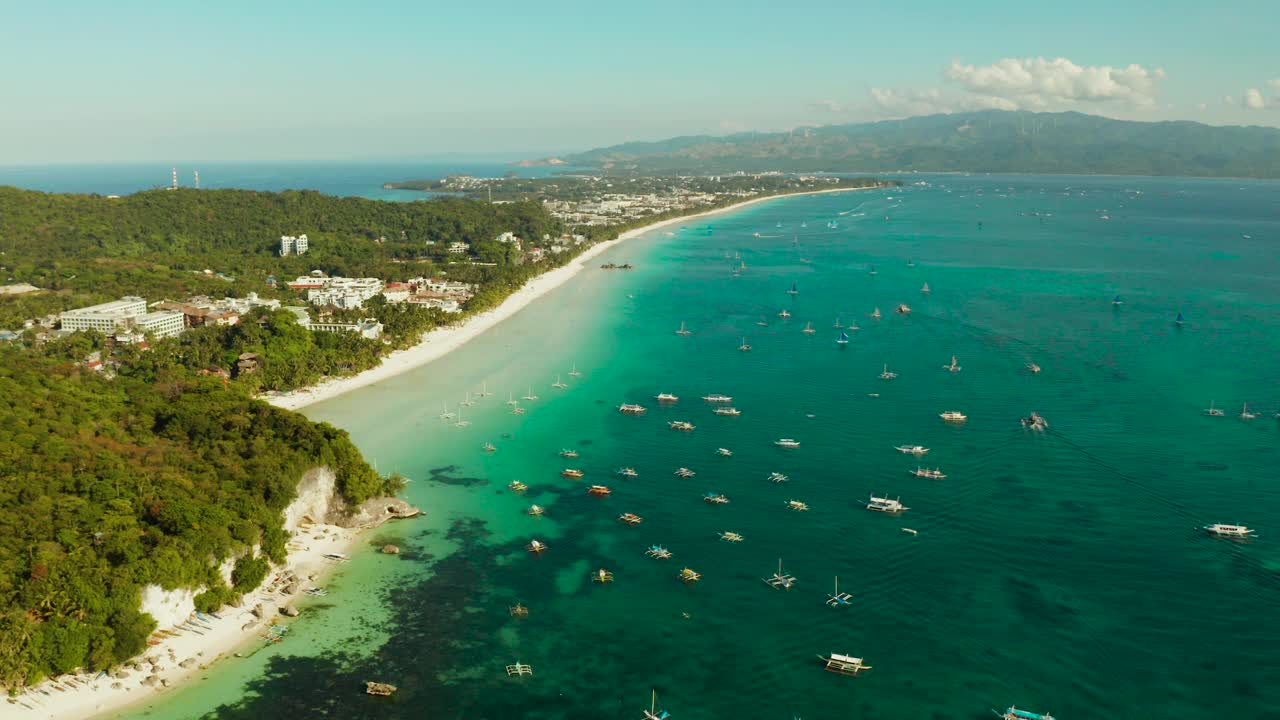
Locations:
{"points": [[1212, 411], [681, 425], [886, 505], [876, 313], [630, 409], [777, 477], [902, 309], [717, 398], [732, 537], [599, 490], [573, 371], [667, 398], [683, 330], [653, 713], [779, 580], [730, 411], [784, 314], [658, 552], [1035, 421], [843, 664], [724, 452], [744, 347], [843, 339], [536, 547], [787, 442], [568, 453], [934, 474], [488, 447], [953, 416], [1246, 415], [1224, 530], [837, 598], [1014, 713], [631, 519], [535, 510], [628, 472], [602, 576], [924, 290], [916, 450], [797, 506], [559, 385], [689, 575], [572, 474], [517, 486], [1032, 368], [793, 290], [886, 375], [953, 367], [684, 472], [808, 329], [715, 499]]}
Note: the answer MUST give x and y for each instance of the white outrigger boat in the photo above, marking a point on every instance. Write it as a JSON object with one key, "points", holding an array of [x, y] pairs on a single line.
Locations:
{"points": [[1212, 411], [658, 552], [631, 409], [717, 398], [916, 450], [1014, 713], [843, 664], [797, 506], [953, 367], [837, 598], [886, 505], [683, 330], [780, 580], [729, 411], [684, 472], [954, 416], [934, 474], [1246, 415], [777, 477], [724, 452], [558, 384], [745, 346], [536, 510], [1224, 530], [666, 398], [681, 425], [886, 375], [1035, 421], [628, 472], [732, 537], [787, 442]]}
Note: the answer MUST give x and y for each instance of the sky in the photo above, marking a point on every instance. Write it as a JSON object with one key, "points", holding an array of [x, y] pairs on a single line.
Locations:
{"points": [[128, 81]]}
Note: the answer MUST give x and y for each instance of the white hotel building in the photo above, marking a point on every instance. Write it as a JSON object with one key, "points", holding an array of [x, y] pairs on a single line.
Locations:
{"points": [[127, 313]]}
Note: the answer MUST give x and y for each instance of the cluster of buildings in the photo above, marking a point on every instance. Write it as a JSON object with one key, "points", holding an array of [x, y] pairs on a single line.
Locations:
{"points": [[127, 320], [353, 293], [610, 208], [290, 245]]}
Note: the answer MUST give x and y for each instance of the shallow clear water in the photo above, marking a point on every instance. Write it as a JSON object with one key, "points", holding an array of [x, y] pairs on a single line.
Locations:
{"points": [[1060, 571]]}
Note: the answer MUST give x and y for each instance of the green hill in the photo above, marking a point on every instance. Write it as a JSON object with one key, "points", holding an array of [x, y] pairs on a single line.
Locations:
{"points": [[993, 141]]}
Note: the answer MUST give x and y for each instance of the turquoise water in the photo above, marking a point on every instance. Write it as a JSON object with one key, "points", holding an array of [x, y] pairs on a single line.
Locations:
{"points": [[1060, 571]]}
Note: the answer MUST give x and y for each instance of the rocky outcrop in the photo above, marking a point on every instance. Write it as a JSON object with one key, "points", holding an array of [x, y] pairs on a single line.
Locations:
{"points": [[375, 511]]}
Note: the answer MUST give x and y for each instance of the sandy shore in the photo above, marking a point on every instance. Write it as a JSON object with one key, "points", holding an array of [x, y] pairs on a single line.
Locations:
{"points": [[442, 341], [190, 651]]}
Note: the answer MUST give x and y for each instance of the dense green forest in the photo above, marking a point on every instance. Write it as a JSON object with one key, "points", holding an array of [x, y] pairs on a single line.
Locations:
{"points": [[109, 485], [83, 249], [993, 141]]}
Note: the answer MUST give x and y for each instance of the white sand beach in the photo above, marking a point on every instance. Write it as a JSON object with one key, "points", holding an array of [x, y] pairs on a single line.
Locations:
{"points": [[442, 341]]}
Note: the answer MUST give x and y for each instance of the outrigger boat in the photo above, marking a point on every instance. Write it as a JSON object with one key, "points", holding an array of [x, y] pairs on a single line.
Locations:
{"points": [[599, 490], [681, 425], [572, 473], [536, 510], [724, 452], [902, 309], [536, 546], [511, 399], [602, 576], [666, 398], [886, 505], [1224, 530], [518, 610], [658, 552], [787, 443], [467, 401], [631, 409], [934, 474], [519, 669], [745, 346], [689, 575], [652, 713], [530, 397], [1213, 411], [631, 519], [808, 329], [628, 472], [953, 416], [683, 330], [844, 664], [568, 453], [732, 537], [1032, 368], [1035, 421], [730, 411], [780, 580], [784, 314], [517, 410], [778, 477], [684, 472], [559, 385], [1014, 713], [837, 598], [715, 499], [1246, 415], [717, 398], [517, 486], [916, 450], [953, 367], [886, 375], [797, 506]]}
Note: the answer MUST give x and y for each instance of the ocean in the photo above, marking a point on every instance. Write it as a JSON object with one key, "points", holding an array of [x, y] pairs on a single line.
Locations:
{"points": [[1061, 571]]}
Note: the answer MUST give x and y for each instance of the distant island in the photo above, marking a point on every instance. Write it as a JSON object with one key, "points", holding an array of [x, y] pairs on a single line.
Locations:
{"points": [[542, 162], [993, 141]]}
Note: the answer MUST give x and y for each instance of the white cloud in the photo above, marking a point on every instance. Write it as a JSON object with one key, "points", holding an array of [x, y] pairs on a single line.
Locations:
{"points": [[1253, 99], [1038, 82]]}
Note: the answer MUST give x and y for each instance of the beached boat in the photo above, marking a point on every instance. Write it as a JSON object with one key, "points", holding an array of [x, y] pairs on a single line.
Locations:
{"points": [[536, 546], [717, 398], [631, 519], [517, 486], [916, 450], [1013, 713], [681, 425], [837, 598], [684, 472], [953, 367], [724, 452], [934, 474], [903, 309], [886, 505], [797, 506], [658, 552], [536, 510], [745, 346], [954, 416], [572, 473], [780, 580], [886, 375], [1035, 421], [1213, 411], [630, 409], [628, 472], [1224, 530], [843, 664], [777, 477], [787, 442], [666, 398], [793, 290], [732, 537], [843, 339], [653, 713], [599, 490], [568, 453], [683, 330], [715, 499], [689, 575], [730, 411]]}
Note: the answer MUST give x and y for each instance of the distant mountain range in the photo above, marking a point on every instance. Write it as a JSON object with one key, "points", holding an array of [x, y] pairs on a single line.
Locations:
{"points": [[994, 141]]}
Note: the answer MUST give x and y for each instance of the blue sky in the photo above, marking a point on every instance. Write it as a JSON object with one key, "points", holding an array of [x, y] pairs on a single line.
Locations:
{"points": [[232, 80]]}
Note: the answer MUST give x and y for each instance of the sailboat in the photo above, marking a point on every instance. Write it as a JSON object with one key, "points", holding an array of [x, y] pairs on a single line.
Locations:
{"points": [[843, 339], [779, 224], [574, 371], [779, 580], [886, 375], [838, 325], [484, 390], [462, 423], [924, 290], [558, 385], [530, 397], [808, 329], [872, 271], [1246, 415], [445, 414], [467, 402], [953, 367], [1213, 411], [683, 330], [876, 313], [511, 399], [1179, 321], [804, 224], [911, 263], [837, 598], [652, 713], [793, 290], [744, 347], [853, 327], [1117, 301]]}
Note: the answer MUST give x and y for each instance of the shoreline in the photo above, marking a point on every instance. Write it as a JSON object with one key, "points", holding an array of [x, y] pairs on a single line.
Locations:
{"points": [[439, 342], [207, 643]]}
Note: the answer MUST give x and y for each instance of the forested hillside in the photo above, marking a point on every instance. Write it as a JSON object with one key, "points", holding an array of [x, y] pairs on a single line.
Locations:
{"points": [[109, 485]]}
